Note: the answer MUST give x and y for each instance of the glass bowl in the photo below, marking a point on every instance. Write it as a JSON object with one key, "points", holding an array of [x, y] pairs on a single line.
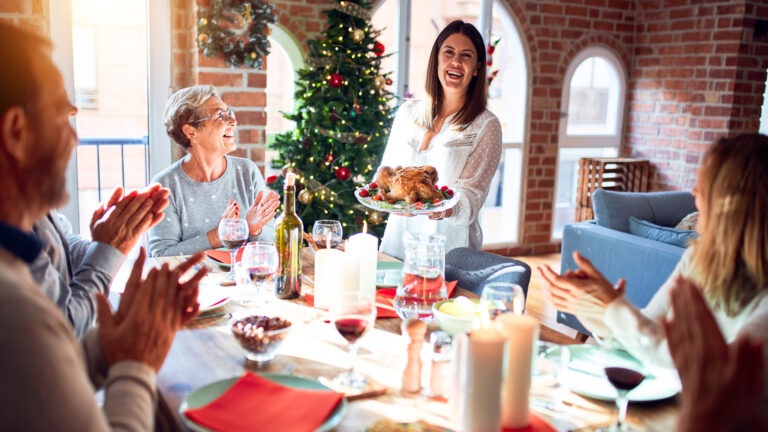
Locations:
{"points": [[260, 335]]}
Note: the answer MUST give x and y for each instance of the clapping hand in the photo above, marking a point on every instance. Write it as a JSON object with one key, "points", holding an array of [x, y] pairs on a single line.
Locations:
{"points": [[722, 384], [122, 220], [150, 313], [262, 211], [584, 292]]}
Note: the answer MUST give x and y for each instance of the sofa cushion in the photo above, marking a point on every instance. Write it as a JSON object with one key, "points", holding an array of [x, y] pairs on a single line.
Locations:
{"points": [[613, 209], [667, 235]]}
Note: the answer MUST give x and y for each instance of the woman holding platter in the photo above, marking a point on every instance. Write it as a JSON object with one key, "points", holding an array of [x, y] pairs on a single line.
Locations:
{"points": [[453, 131]]}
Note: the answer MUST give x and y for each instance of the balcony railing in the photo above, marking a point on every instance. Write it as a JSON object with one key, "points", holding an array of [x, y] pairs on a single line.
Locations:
{"points": [[103, 144]]}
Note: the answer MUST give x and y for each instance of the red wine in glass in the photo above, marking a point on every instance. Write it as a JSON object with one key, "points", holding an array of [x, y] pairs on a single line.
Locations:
{"points": [[624, 379], [260, 274], [233, 243], [352, 329]]}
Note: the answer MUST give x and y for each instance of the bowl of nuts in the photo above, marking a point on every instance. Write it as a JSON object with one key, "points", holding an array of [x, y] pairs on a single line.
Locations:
{"points": [[260, 335]]}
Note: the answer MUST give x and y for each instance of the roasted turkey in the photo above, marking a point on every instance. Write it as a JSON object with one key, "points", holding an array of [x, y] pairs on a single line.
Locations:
{"points": [[410, 184]]}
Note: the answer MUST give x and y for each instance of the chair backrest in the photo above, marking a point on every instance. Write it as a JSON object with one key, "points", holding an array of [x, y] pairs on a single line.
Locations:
{"points": [[474, 269]]}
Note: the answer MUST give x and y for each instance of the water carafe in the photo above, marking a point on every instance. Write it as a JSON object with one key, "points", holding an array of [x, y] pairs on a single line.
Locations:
{"points": [[423, 282]]}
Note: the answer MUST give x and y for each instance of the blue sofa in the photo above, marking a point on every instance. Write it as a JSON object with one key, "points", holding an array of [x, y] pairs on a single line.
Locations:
{"points": [[607, 242]]}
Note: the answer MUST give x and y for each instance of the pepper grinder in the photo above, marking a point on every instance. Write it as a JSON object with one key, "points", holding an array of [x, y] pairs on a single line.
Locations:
{"points": [[412, 374]]}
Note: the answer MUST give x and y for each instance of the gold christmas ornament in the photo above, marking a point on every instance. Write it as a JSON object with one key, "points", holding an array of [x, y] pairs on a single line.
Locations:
{"points": [[379, 81], [203, 21], [358, 35], [202, 38], [253, 55], [305, 197], [376, 218], [287, 168]]}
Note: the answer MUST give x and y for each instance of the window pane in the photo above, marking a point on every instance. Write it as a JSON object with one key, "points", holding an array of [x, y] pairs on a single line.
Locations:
{"points": [[280, 92], [764, 117], [594, 98], [567, 183], [500, 212], [110, 75], [384, 19], [428, 18], [507, 92]]}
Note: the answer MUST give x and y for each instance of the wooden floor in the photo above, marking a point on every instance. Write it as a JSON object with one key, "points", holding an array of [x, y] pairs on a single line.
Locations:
{"points": [[536, 303]]}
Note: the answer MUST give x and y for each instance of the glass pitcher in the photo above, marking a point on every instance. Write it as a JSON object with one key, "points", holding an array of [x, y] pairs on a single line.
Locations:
{"points": [[423, 282]]}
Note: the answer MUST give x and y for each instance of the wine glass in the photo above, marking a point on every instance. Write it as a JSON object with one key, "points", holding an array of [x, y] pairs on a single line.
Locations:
{"points": [[233, 233], [260, 261], [503, 297], [327, 233], [624, 373], [550, 367], [353, 315]]}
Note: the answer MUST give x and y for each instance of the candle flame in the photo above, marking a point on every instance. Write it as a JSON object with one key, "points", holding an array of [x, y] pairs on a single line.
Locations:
{"points": [[365, 227]]}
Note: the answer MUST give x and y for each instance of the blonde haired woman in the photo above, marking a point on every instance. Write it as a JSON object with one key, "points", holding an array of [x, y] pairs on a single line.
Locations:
{"points": [[729, 261]]}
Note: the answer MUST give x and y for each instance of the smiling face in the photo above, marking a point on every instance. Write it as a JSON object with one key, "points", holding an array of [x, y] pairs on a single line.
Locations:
{"points": [[457, 64], [214, 135]]}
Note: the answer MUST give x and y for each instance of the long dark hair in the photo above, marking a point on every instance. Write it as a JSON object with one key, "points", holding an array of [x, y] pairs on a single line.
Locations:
{"points": [[477, 97]]}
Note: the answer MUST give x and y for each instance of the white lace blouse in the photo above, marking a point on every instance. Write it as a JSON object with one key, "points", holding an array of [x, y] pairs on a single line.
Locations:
{"points": [[465, 160]]}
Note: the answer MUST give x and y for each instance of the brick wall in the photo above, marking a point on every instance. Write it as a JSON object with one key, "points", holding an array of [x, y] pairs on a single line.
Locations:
{"points": [[697, 75], [29, 14], [241, 88]]}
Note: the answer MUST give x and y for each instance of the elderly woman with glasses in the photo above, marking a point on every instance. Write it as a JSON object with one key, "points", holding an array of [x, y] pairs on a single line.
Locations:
{"points": [[207, 184]]}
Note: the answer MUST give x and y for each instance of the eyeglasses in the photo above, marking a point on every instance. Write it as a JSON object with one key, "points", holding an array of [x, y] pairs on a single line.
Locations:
{"points": [[224, 116]]}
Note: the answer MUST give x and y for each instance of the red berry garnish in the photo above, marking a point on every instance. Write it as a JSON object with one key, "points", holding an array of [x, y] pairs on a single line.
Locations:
{"points": [[392, 201], [436, 187], [444, 188], [377, 198], [449, 192], [373, 185], [436, 201], [419, 205], [364, 193]]}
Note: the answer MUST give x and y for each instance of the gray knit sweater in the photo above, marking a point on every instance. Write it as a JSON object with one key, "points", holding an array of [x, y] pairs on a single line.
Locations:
{"points": [[195, 207]]}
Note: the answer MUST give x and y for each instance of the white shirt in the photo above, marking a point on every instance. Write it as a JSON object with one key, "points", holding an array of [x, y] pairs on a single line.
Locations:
{"points": [[465, 161]]}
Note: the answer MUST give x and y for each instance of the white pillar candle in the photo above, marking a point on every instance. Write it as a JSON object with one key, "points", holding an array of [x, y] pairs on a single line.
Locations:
{"points": [[521, 332], [482, 390], [328, 270], [349, 274], [364, 247]]}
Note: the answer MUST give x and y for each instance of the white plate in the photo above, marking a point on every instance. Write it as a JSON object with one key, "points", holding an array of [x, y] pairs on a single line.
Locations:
{"points": [[388, 278], [402, 207], [212, 296], [586, 377]]}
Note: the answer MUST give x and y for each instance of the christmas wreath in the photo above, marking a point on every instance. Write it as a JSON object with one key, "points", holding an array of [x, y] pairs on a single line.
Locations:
{"points": [[215, 27]]}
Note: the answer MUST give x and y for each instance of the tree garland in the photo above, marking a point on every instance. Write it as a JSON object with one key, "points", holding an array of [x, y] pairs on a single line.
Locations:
{"points": [[215, 35]]}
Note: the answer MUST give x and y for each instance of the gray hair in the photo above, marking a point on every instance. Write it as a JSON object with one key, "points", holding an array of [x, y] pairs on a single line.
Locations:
{"points": [[183, 107]]}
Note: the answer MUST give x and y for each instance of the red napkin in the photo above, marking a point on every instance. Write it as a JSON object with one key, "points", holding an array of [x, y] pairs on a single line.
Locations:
{"points": [[254, 403], [387, 295], [223, 256], [536, 425]]}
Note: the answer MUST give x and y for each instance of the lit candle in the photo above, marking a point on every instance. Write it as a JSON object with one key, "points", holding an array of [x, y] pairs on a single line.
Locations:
{"points": [[365, 247], [521, 332], [349, 275], [483, 375]]}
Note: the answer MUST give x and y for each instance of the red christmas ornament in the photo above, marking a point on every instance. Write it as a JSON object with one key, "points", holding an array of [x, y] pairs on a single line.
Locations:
{"points": [[378, 49], [329, 158], [336, 80], [491, 49], [389, 81], [271, 179], [489, 62], [343, 173]]}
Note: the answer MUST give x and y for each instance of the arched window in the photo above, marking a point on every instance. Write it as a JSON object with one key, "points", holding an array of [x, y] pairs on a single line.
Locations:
{"points": [[284, 59], [594, 94], [409, 35]]}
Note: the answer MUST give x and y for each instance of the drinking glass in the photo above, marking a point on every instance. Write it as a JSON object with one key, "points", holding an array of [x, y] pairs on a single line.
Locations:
{"points": [[327, 233], [423, 282], [624, 373], [233, 233], [503, 297], [353, 315], [550, 366], [260, 261]]}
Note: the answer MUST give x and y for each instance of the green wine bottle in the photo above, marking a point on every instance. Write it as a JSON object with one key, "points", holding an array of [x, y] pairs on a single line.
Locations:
{"points": [[288, 240]]}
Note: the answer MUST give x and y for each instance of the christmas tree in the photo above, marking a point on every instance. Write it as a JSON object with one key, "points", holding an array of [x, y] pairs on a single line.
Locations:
{"points": [[342, 117]]}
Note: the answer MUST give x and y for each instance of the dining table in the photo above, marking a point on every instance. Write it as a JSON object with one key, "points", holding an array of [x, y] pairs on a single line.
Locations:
{"points": [[205, 351]]}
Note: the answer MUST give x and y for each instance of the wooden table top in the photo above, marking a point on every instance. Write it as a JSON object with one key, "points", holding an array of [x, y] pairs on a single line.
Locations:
{"points": [[206, 352]]}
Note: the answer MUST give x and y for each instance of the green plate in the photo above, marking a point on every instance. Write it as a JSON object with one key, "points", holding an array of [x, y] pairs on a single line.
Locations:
{"points": [[389, 274], [207, 393], [586, 377]]}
